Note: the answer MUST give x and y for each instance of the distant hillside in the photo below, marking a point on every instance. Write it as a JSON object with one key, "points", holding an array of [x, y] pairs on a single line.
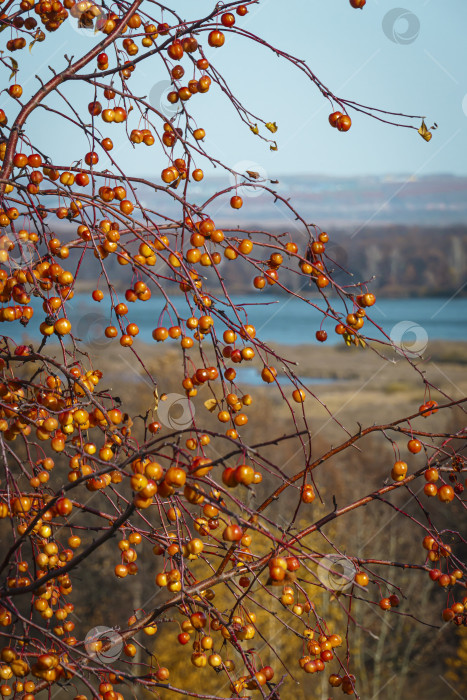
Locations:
{"points": [[409, 233], [353, 201], [404, 261]]}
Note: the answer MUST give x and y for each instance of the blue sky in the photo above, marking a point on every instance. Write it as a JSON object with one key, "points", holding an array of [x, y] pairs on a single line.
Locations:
{"points": [[349, 50]]}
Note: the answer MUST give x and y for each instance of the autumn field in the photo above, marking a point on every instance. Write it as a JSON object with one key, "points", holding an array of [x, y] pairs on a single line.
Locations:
{"points": [[348, 382]]}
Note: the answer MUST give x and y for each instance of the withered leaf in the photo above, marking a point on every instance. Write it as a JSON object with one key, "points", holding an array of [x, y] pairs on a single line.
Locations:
{"points": [[424, 132], [14, 67], [127, 420], [211, 405]]}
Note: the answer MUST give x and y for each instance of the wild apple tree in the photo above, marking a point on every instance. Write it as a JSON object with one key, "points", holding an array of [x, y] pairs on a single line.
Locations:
{"points": [[200, 499]]}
